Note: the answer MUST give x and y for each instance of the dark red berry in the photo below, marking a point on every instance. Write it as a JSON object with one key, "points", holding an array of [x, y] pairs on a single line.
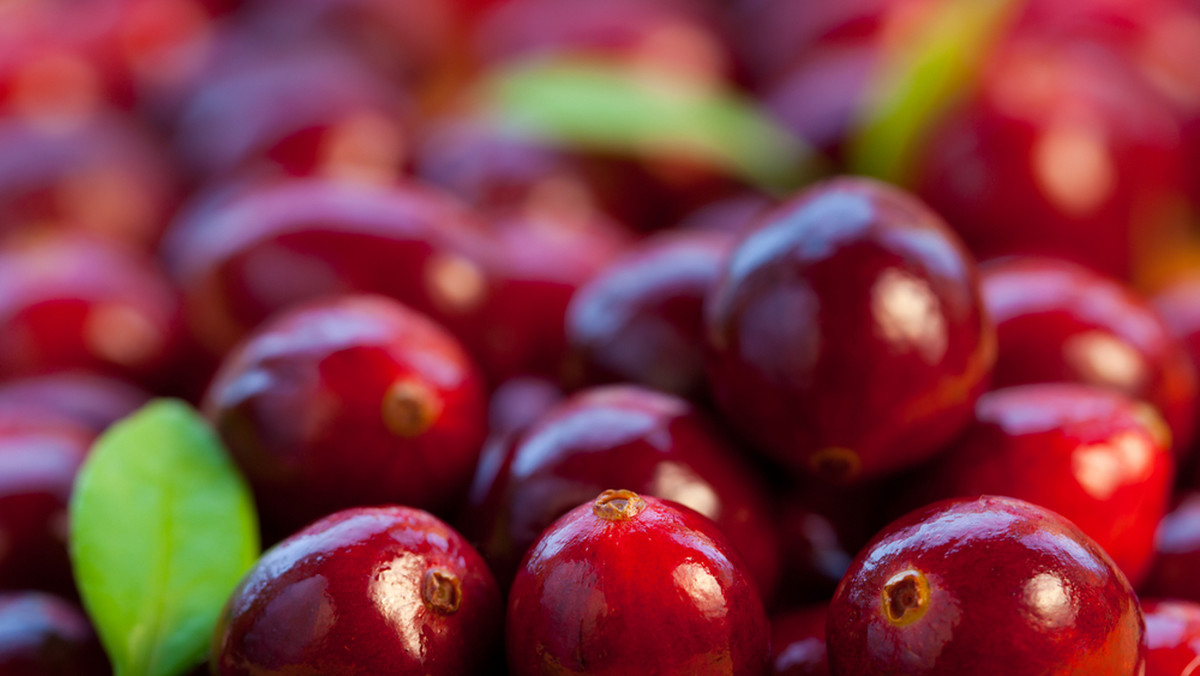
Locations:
{"points": [[629, 584], [91, 400], [1177, 552], [846, 336], [1091, 455], [42, 635], [654, 443], [642, 319], [264, 249], [39, 458], [380, 590], [798, 643], [352, 400], [1172, 637], [1059, 322], [984, 586]]}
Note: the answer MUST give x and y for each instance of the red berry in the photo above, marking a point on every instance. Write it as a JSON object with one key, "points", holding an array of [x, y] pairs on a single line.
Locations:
{"points": [[1177, 552], [1172, 637], [984, 586], [629, 584], [381, 590], [1058, 322], [91, 400], [798, 643], [1092, 456], [622, 435], [846, 336], [352, 400], [43, 635]]}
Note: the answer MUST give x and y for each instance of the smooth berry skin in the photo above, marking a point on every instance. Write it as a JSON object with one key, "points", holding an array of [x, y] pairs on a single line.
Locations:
{"points": [[1095, 457], [98, 173], [43, 635], [655, 444], [1177, 552], [351, 400], [642, 319], [987, 585], [266, 248], [371, 590], [1178, 304], [1059, 322], [91, 400], [40, 454], [1064, 151], [1172, 636], [541, 259], [70, 302], [798, 643], [846, 336], [648, 587]]}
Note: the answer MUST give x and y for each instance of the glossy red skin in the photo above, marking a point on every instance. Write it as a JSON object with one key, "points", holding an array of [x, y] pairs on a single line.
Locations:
{"points": [[1178, 304], [344, 596], [1058, 322], [39, 457], [661, 593], [91, 400], [264, 249], [301, 407], [849, 317], [257, 109], [99, 173], [1063, 152], [798, 643], [540, 260], [653, 443], [1177, 552], [69, 302], [47, 636], [1090, 455], [1014, 589], [821, 528], [642, 319], [1172, 637]]}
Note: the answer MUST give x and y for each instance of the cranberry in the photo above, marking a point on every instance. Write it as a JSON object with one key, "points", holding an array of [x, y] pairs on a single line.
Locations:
{"points": [[380, 590], [642, 319], [1179, 306], [71, 302], [623, 435], [1172, 637], [541, 258], [262, 249], [631, 584], [350, 401], [99, 173], [846, 335], [798, 643], [984, 586], [1093, 456], [40, 455], [1064, 151], [1058, 322], [258, 109], [46, 636], [732, 215], [1177, 552], [92, 400]]}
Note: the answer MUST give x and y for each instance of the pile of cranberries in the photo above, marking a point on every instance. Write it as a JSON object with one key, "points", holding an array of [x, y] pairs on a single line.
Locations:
{"points": [[513, 403]]}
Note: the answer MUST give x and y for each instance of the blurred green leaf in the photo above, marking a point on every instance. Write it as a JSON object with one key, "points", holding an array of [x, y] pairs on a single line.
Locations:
{"points": [[923, 77], [162, 529], [612, 108]]}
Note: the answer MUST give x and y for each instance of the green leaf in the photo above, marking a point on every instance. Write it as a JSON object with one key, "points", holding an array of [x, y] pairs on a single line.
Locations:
{"points": [[612, 108], [162, 529], [921, 78]]}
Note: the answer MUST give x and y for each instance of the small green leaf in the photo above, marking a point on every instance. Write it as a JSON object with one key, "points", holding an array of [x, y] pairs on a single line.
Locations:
{"points": [[612, 108], [162, 529], [921, 78]]}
